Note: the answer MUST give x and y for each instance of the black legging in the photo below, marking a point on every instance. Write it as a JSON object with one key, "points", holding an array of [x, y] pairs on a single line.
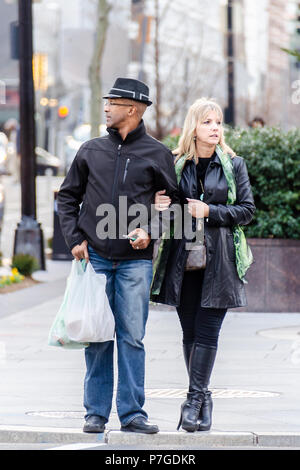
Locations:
{"points": [[199, 324]]}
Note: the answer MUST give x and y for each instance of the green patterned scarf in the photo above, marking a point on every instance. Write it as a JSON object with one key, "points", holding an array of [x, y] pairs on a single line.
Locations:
{"points": [[243, 254]]}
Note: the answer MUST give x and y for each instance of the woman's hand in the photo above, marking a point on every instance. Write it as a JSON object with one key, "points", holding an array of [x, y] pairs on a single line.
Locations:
{"points": [[197, 209], [161, 202]]}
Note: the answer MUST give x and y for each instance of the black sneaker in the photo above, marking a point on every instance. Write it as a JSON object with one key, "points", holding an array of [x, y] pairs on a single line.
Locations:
{"points": [[94, 423], [140, 424]]}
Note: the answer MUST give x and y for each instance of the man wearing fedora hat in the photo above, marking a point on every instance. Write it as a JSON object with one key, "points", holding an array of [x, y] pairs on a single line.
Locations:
{"points": [[126, 163]]}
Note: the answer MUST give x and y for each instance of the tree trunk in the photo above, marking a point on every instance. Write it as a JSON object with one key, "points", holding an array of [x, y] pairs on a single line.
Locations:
{"points": [[158, 127], [158, 16], [95, 67]]}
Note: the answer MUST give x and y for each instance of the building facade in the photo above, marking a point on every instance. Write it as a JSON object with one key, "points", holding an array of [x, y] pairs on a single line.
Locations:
{"points": [[186, 57], [179, 48], [181, 56]]}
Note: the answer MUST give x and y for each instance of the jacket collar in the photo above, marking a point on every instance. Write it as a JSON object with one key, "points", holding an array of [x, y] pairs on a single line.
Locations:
{"points": [[214, 161], [138, 132]]}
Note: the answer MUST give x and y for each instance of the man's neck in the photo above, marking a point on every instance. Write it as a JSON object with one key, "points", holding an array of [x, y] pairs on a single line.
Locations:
{"points": [[126, 129]]}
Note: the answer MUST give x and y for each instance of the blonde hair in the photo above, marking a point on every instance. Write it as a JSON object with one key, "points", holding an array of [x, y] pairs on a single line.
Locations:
{"points": [[198, 111]]}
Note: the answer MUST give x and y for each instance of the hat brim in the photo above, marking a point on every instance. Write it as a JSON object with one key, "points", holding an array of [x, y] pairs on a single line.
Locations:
{"points": [[110, 95]]}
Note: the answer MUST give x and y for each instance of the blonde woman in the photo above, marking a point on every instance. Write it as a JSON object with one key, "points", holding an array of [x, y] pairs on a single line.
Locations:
{"points": [[202, 296]]}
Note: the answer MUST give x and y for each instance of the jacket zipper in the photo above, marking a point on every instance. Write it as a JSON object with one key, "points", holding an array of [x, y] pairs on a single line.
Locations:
{"points": [[114, 188], [116, 173], [126, 169]]}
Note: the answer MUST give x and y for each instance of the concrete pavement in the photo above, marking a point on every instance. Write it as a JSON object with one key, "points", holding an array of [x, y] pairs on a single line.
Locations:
{"points": [[255, 381]]}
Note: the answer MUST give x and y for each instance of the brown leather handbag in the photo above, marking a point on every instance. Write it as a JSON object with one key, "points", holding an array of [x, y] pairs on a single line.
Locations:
{"points": [[196, 257]]}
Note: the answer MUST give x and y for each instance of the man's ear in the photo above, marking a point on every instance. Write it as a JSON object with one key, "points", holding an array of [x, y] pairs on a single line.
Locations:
{"points": [[132, 111]]}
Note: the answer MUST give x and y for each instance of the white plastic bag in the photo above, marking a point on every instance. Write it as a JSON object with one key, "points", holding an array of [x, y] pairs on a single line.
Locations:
{"points": [[57, 334], [88, 316]]}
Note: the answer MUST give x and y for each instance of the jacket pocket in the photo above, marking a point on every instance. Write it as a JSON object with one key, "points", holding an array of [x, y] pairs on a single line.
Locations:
{"points": [[125, 170]]}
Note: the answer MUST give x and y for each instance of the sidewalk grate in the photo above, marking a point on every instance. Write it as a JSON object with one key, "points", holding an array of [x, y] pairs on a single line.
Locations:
{"points": [[216, 393], [165, 393], [227, 393], [57, 414]]}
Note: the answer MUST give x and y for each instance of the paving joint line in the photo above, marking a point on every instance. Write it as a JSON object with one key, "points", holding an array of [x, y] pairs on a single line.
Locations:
{"points": [[255, 439]]}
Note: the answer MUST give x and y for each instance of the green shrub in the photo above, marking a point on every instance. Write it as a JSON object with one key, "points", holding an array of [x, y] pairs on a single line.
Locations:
{"points": [[273, 161], [25, 264], [171, 141]]}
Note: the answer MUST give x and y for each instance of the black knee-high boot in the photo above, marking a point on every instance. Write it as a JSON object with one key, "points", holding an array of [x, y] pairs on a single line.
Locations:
{"points": [[201, 361], [205, 417], [187, 349]]}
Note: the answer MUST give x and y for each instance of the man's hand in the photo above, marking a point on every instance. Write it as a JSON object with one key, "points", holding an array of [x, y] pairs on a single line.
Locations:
{"points": [[81, 251], [142, 241]]}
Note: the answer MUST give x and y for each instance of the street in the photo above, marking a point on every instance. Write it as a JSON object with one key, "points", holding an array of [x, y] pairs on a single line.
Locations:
{"points": [[255, 383], [45, 186]]}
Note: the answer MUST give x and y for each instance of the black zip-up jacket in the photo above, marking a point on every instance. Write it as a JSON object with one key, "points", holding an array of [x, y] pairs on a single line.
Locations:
{"points": [[104, 169]]}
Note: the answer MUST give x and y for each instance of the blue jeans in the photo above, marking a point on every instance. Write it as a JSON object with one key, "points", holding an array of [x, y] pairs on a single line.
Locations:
{"points": [[128, 289]]}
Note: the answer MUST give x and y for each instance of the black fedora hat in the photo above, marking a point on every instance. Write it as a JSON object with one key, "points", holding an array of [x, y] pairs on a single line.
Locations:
{"points": [[131, 89]]}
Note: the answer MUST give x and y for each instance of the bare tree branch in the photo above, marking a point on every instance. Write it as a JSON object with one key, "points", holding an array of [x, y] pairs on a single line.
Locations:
{"points": [[103, 9]]}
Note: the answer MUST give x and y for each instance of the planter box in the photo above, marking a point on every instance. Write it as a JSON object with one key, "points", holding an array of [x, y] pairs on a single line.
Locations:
{"points": [[274, 277]]}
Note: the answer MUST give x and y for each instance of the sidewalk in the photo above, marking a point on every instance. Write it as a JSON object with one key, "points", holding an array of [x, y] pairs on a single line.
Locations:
{"points": [[255, 382]]}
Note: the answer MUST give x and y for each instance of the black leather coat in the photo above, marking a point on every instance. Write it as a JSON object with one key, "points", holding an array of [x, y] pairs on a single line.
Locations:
{"points": [[222, 287]]}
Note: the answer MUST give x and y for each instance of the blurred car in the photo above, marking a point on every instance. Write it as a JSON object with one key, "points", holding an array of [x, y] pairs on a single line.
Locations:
{"points": [[1, 205], [73, 142], [3, 154], [45, 162]]}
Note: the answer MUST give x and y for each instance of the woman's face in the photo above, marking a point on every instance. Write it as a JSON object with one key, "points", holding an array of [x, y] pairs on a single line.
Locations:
{"points": [[209, 130]]}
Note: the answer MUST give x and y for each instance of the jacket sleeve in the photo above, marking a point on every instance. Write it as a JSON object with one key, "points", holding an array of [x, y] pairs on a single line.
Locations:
{"points": [[242, 211], [165, 178], [70, 197]]}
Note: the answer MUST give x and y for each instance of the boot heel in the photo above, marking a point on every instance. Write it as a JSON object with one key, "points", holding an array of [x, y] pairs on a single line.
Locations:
{"points": [[180, 421]]}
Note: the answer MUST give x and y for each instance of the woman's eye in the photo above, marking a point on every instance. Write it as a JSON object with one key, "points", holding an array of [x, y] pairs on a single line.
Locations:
{"points": [[208, 122]]}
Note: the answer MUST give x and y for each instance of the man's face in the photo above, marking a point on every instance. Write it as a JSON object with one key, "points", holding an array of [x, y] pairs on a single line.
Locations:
{"points": [[116, 111]]}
